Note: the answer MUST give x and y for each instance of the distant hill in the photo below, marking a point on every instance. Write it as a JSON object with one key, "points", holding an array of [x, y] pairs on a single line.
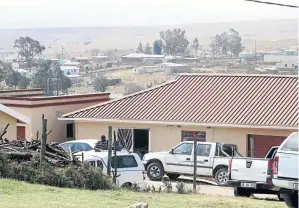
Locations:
{"points": [[267, 33]]}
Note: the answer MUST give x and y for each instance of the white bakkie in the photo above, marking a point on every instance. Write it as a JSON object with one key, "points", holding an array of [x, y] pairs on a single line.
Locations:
{"points": [[285, 170], [212, 161]]}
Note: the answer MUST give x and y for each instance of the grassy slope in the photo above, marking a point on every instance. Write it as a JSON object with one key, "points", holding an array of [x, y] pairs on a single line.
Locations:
{"points": [[15, 194]]}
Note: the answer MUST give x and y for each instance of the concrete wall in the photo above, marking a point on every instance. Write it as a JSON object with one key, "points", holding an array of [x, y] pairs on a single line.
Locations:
{"points": [[163, 138], [12, 129], [278, 58], [287, 65]]}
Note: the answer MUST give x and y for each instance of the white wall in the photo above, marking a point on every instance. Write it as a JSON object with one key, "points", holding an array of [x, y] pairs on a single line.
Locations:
{"points": [[281, 58]]}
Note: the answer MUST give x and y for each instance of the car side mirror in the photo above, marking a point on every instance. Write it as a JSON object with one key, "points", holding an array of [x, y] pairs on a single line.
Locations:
{"points": [[171, 151]]}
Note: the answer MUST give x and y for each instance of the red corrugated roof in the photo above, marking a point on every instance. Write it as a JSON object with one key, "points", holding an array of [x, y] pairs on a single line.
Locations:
{"points": [[270, 100]]}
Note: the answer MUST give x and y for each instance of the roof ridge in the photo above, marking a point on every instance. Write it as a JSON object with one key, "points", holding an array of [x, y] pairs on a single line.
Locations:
{"points": [[237, 75], [127, 96]]}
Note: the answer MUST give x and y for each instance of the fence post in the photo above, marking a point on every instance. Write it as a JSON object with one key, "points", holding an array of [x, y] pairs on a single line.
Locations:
{"points": [[115, 158], [44, 138], [194, 165], [109, 150]]}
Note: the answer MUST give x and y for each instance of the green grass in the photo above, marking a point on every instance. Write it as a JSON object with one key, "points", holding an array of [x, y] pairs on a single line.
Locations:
{"points": [[15, 194]]}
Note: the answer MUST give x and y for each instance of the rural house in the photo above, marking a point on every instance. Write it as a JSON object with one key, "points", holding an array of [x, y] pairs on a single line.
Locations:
{"points": [[32, 104], [254, 112]]}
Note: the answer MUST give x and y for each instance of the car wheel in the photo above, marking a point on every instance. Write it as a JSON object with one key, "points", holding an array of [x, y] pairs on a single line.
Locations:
{"points": [[221, 177], [242, 192], [291, 200], [155, 171], [279, 198], [173, 176]]}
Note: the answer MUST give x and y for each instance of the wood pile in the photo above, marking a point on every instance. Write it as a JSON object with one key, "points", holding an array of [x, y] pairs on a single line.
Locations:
{"points": [[22, 150]]}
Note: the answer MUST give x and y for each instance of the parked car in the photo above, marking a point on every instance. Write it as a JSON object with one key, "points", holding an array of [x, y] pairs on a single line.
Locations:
{"points": [[212, 161], [129, 166], [285, 170], [79, 145], [252, 175]]}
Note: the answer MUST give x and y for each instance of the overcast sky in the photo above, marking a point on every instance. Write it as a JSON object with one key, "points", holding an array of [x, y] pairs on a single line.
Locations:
{"points": [[72, 13]]}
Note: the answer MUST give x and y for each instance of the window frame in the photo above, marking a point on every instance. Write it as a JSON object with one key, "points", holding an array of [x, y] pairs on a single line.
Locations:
{"points": [[118, 156], [210, 145], [191, 144], [201, 138]]}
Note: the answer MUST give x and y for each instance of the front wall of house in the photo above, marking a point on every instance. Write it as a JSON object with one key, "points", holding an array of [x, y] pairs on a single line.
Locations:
{"points": [[12, 128], [163, 138]]}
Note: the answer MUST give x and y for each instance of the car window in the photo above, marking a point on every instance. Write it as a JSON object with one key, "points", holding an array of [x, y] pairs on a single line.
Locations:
{"points": [[98, 162], [291, 143], [127, 161], [204, 150], [80, 147], [66, 146], [183, 149]]}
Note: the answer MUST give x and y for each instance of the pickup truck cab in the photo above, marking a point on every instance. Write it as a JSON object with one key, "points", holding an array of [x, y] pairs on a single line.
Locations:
{"points": [[212, 161], [130, 169], [252, 175], [285, 170]]}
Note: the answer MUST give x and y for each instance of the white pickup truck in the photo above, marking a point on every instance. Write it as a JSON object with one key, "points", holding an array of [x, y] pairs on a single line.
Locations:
{"points": [[285, 170], [212, 161], [252, 175]]}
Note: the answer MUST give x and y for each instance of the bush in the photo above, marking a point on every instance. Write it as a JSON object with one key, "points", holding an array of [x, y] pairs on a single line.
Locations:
{"points": [[181, 188], [34, 171]]}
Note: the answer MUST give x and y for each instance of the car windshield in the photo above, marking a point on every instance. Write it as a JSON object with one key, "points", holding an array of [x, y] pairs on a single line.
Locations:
{"points": [[291, 143]]}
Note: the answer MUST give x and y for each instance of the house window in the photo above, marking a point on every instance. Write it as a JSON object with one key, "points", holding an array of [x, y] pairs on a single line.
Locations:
{"points": [[199, 136], [70, 130]]}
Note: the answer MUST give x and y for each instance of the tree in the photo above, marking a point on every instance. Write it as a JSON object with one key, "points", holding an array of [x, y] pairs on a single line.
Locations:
{"points": [[24, 82], [28, 49], [50, 78], [12, 78], [174, 41], [4, 69], [195, 45], [101, 83], [157, 47], [95, 52], [147, 49], [139, 48], [235, 42]]}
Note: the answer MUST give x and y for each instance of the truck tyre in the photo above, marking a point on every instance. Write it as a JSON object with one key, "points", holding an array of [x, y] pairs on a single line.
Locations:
{"points": [[221, 177], [155, 171], [291, 200], [242, 192], [173, 176]]}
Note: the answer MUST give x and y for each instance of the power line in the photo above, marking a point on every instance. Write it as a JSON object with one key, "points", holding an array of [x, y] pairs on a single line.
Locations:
{"points": [[272, 3]]}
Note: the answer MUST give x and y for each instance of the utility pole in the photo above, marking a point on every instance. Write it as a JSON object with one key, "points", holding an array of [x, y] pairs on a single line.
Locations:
{"points": [[109, 150], [194, 165], [115, 158], [44, 138]]}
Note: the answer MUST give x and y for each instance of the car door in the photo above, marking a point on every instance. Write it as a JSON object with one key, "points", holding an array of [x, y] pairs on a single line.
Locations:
{"points": [[179, 159], [204, 161]]}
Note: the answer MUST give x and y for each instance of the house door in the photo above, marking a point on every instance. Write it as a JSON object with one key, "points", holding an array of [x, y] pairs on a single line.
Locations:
{"points": [[21, 132]]}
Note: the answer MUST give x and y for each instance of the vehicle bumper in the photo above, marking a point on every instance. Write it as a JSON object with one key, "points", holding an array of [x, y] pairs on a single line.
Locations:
{"points": [[287, 184], [257, 185]]}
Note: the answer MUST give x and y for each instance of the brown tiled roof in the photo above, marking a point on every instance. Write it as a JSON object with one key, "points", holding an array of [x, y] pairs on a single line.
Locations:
{"points": [[269, 100]]}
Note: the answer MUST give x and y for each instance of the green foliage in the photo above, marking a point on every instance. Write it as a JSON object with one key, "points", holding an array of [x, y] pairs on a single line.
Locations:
{"points": [[181, 187], [28, 48], [12, 78], [24, 82], [157, 47], [147, 49], [139, 48], [101, 83], [195, 44], [174, 42], [34, 171], [227, 42], [50, 78]]}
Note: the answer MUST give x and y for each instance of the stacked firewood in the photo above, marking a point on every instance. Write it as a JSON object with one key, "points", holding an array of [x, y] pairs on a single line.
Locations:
{"points": [[22, 150]]}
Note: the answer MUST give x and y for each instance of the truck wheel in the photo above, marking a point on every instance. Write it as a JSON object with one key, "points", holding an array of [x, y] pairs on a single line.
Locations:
{"points": [[242, 192], [279, 198], [173, 176], [155, 171], [221, 177], [291, 200]]}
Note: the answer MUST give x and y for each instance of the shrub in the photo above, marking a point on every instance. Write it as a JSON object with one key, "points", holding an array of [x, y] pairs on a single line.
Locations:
{"points": [[181, 188], [34, 171]]}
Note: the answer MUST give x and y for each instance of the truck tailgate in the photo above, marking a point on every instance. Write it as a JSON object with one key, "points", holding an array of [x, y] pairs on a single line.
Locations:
{"points": [[249, 169], [288, 166]]}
